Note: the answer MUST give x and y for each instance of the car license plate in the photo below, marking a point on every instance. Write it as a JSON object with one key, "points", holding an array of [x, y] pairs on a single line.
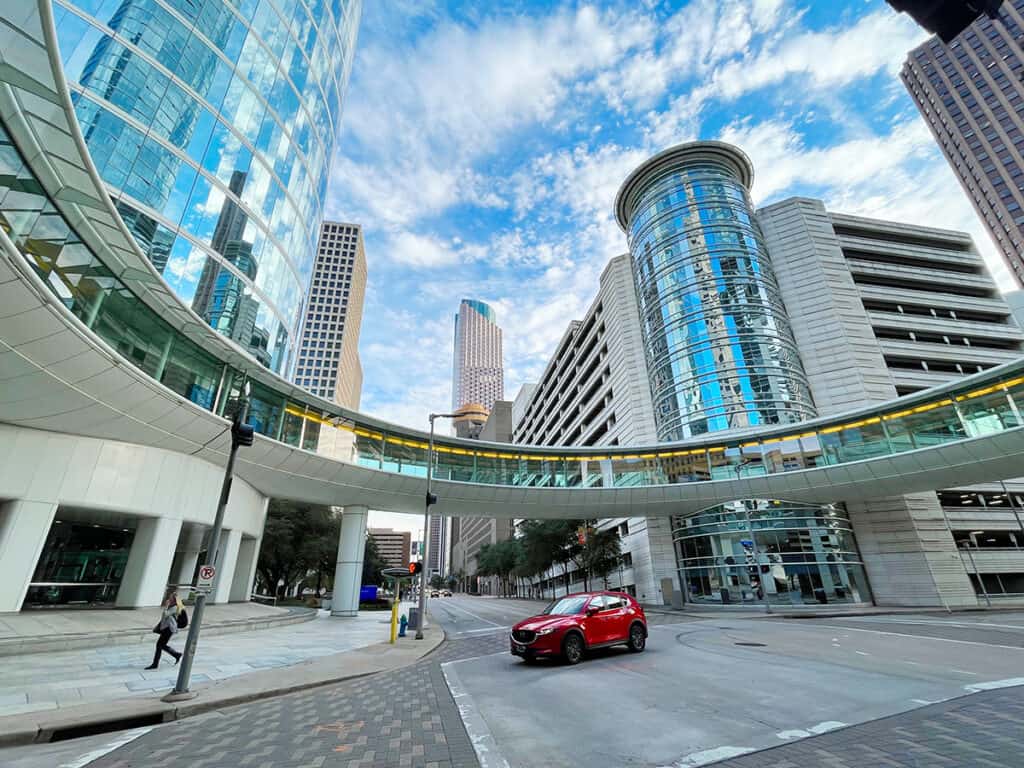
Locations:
{"points": [[519, 647]]}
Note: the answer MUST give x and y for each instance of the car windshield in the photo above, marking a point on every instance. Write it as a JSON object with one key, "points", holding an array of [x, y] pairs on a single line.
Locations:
{"points": [[566, 606]]}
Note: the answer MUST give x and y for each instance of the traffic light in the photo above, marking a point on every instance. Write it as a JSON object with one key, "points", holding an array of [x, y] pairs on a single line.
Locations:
{"points": [[241, 434], [415, 567], [431, 499]]}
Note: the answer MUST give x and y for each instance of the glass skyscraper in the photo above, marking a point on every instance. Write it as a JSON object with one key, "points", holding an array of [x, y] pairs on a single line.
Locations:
{"points": [[213, 123], [719, 349]]}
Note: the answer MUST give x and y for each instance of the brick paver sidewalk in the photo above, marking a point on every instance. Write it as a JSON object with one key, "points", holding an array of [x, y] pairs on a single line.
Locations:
{"points": [[983, 730]]}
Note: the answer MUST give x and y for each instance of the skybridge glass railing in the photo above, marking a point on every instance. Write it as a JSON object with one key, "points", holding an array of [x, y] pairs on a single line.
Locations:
{"points": [[981, 405]]}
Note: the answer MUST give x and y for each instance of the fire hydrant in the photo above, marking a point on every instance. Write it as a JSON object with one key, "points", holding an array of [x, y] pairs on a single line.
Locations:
{"points": [[402, 623]]}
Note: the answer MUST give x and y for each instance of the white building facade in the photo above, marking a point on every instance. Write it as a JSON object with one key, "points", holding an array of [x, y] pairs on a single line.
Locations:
{"points": [[478, 373], [595, 391]]}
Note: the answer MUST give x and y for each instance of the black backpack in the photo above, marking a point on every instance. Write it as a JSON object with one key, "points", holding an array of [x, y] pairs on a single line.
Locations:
{"points": [[183, 619]]}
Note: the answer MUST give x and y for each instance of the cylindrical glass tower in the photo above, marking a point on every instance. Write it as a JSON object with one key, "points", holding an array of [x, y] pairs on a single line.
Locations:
{"points": [[720, 352], [213, 123]]}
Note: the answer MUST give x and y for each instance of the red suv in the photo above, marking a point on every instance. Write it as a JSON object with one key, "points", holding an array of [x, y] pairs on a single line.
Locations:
{"points": [[576, 623]]}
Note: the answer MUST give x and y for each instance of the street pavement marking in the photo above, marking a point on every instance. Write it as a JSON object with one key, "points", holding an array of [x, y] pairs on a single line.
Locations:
{"points": [[475, 616], [706, 756], [1009, 682], [904, 634], [475, 658], [814, 730], [125, 738], [935, 623], [480, 735]]}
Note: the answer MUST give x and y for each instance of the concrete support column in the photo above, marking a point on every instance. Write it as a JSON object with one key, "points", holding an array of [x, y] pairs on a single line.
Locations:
{"points": [[245, 570], [188, 555], [348, 574], [24, 526], [227, 558], [149, 562]]}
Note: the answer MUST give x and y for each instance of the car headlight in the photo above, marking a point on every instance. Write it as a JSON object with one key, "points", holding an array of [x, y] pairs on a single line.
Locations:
{"points": [[547, 631]]}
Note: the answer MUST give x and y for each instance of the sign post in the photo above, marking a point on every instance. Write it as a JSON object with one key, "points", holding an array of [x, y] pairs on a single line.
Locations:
{"points": [[241, 434]]}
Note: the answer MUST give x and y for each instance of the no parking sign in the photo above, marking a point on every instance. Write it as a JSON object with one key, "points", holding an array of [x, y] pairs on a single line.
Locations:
{"points": [[206, 574]]}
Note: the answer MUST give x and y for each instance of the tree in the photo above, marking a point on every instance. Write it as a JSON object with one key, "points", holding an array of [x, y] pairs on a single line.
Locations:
{"points": [[436, 581], [295, 540], [373, 563], [501, 560]]}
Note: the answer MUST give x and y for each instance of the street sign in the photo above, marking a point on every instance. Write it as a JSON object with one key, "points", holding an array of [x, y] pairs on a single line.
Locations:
{"points": [[206, 574]]}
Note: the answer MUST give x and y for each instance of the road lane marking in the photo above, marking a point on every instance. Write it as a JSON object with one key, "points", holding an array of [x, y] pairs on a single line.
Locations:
{"points": [[125, 738], [475, 616], [479, 733], [814, 730], [936, 623], [1009, 682], [476, 658], [904, 634], [706, 756]]}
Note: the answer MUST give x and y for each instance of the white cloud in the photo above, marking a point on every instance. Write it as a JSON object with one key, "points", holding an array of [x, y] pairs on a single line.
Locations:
{"points": [[421, 251]]}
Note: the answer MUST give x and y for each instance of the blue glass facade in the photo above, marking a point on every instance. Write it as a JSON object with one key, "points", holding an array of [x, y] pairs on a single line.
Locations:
{"points": [[213, 123], [719, 349]]}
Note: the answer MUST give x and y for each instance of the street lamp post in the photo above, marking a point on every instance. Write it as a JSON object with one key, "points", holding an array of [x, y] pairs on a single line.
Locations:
{"points": [[241, 434], [430, 499], [970, 556], [753, 542]]}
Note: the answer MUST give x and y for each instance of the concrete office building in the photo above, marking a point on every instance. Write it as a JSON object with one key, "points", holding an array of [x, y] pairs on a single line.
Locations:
{"points": [[328, 360], [595, 391], [970, 93], [478, 372], [881, 309], [394, 547]]}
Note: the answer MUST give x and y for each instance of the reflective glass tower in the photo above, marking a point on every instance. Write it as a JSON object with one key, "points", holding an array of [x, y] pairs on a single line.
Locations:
{"points": [[212, 123], [720, 352]]}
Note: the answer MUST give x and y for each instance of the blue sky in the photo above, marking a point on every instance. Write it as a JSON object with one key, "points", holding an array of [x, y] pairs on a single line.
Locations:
{"points": [[481, 149]]}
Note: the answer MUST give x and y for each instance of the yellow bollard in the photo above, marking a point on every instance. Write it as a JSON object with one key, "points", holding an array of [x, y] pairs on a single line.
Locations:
{"points": [[394, 620]]}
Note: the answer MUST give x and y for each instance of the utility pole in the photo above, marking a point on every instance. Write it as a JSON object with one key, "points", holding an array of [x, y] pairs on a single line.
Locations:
{"points": [[241, 434]]}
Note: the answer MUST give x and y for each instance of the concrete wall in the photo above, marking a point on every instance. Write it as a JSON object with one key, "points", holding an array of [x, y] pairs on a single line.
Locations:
{"points": [[908, 552], [153, 490]]}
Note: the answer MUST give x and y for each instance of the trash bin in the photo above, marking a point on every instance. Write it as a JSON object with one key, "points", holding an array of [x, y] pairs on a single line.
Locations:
{"points": [[414, 618]]}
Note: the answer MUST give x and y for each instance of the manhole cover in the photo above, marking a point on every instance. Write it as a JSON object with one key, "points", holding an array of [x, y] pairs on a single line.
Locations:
{"points": [[755, 645]]}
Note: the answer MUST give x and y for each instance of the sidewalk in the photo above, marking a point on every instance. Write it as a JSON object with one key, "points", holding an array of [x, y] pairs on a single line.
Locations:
{"points": [[44, 693], [44, 631], [756, 611]]}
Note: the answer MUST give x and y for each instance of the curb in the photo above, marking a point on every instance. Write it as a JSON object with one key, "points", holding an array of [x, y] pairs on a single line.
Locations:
{"points": [[119, 714], [24, 646]]}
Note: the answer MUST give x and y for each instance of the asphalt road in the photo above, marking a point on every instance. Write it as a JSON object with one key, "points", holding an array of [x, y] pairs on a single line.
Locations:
{"points": [[701, 691], [463, 616]]}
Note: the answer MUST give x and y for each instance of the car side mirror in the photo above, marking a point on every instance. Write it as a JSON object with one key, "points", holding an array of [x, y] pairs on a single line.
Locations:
{"points": [[592, 611]]}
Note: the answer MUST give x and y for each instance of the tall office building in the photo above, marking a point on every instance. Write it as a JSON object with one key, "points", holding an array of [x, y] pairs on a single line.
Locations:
{"points": [[720, 353], [394, 547], [881, 309], [478, 374], [971, 95], [214, 123], [328, 360]]}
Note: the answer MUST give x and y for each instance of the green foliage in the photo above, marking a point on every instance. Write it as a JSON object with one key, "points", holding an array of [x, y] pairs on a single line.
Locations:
{"points": [[549, 543], [298, 540], [436, 581]]}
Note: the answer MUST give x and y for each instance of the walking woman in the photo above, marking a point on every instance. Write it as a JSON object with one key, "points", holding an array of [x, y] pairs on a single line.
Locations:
{"points": [[167, 628]]}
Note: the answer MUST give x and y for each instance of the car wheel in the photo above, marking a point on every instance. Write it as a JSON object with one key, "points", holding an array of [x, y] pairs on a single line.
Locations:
{"points": [[572, 649], [637, 638]]}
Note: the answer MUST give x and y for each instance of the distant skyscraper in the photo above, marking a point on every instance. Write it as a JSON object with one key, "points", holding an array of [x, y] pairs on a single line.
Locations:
{"points": [[328, 363], [478, 376], [971, 95]]}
